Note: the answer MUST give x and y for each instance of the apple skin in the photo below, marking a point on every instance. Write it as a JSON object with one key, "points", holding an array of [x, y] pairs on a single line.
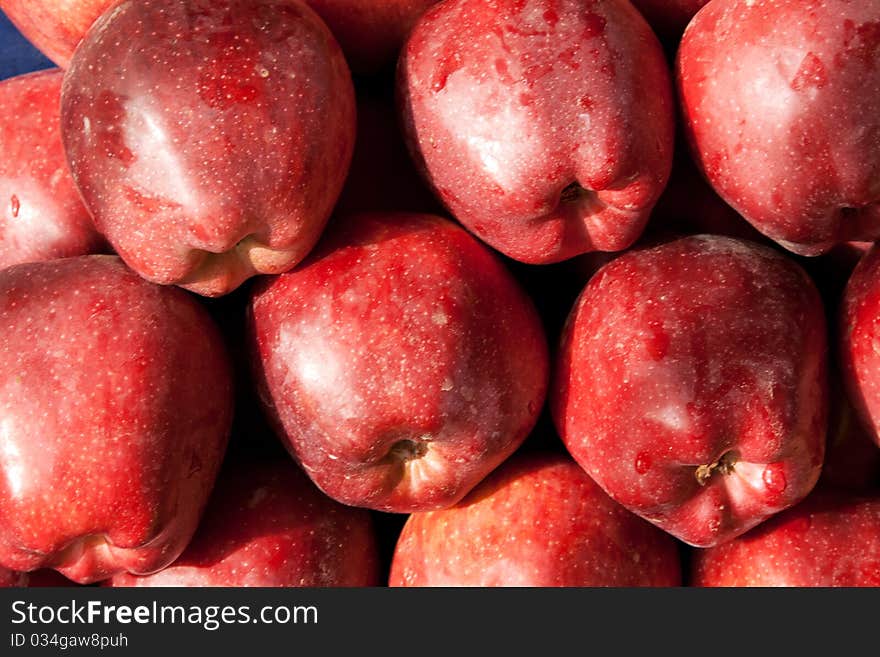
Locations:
{"points": [[860, 362], [401, 363], [115, 406], [691, 384], [831, 539], [54, 26], [546, 128], [181, 134], [10, 578], [267, 525], [42, 216], [369, 31], [538, 520], [781, 103]]}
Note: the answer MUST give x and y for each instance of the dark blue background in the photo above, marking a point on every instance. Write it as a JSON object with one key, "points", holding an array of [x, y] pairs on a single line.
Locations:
{"points": [[17, 55]]}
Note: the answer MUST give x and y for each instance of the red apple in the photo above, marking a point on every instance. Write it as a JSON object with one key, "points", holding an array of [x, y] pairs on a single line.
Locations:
{"points": [[831, 539], [267, 525], [860, 337], [54, 26], [370, 31], [115, 404], [10, 578], [781, 101], [546, 127], [401, 362], [538, 520], [42, 216], [209, 140], [691, 385]]}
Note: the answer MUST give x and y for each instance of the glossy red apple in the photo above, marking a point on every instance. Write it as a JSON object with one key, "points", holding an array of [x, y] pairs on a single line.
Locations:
{"points": [[691, 385], [830, 539], [538, 520], [781, 101], [859, 339], [210, 140], [54, 26], [401, 362], [115, 404], [267, 525], [41, 214], [546, 127], [370, 31]]}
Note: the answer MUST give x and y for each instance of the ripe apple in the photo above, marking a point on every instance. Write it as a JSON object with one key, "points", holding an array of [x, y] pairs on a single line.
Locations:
{"points": [[10, 578], [830, 539], [42, 216], [54, 26], [115, 403], [401, 362], [267, 525], [859, 339], [209, 140], [546, 127], [538, 520], [781, 102], [369, 31], [691, 385]]}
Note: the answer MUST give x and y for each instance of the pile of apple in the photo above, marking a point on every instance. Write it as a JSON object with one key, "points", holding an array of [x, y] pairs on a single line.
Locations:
{"points": [[419, 293]]}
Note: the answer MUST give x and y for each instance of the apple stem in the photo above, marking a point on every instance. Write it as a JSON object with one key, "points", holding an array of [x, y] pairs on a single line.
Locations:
{"points": [[724, 466]]}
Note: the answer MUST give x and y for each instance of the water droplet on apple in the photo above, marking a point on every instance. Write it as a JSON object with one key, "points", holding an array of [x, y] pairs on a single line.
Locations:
{"points": [[774, 478], [15, 206]]}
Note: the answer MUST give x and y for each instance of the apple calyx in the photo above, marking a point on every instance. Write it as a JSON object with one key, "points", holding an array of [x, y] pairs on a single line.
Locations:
{"points": [[724, 466], [572, 193], [407, 450]]}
